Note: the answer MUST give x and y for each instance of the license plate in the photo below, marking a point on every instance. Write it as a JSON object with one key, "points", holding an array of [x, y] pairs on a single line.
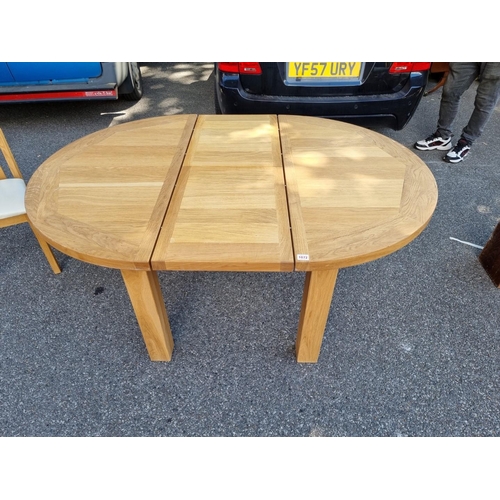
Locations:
{"points": [[322, 72]]}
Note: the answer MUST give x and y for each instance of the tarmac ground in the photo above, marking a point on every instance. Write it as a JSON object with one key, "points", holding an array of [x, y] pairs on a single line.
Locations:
{"points": [[411, 348]]}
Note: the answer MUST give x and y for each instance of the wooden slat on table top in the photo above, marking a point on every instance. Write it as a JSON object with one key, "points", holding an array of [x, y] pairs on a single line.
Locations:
{"points": [[351, 195], [102, 198], [354, 195], [229, 210]]}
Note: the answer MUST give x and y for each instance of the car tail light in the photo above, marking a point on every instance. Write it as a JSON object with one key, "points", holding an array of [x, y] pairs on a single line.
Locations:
{"points": [[407, 67], [244, 68]]}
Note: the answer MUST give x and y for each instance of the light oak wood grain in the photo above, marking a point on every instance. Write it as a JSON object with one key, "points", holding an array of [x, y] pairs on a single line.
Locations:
{"points": [[231, 193], [316, 300], [6, 211], [353, 194], [229, 210], [102, 199], [145, 295]]}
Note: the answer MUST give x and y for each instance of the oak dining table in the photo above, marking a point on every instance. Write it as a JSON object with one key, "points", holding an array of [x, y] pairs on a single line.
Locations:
{"points": [[258, 193]]}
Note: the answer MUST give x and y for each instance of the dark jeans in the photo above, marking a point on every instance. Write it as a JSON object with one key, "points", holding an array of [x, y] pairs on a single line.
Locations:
{"points": [[459, 80]]}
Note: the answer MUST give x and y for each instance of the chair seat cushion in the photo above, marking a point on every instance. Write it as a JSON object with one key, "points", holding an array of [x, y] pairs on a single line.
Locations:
{"points": [[12, 197]]}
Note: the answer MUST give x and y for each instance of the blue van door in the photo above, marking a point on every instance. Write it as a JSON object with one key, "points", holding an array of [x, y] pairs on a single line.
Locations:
{"points": [[5, 74], [50, 72]]}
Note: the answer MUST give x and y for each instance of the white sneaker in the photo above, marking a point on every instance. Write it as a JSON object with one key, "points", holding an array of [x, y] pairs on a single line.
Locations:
{"points": [[434, 141], [459, 152]]}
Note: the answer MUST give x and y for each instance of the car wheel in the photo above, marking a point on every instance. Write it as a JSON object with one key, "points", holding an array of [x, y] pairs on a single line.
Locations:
{"points": [[134, 82]]}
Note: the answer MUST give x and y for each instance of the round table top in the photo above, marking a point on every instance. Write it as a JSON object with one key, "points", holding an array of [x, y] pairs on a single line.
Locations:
{"points": [[231, 192]]}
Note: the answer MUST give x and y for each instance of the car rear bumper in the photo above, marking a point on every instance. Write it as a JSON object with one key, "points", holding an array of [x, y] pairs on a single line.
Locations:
{"points": [[396, 108]]}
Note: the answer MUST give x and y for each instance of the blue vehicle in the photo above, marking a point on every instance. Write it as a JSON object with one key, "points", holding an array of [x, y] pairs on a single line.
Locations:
{"points": [[63, 81]]}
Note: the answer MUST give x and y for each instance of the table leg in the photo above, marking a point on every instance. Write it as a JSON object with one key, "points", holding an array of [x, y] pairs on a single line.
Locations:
{"points": [[318, 293], [145, 294]]}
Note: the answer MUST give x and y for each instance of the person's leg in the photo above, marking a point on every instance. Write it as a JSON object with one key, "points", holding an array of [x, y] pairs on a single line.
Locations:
{"points": [[459, 80], [488, 93]]}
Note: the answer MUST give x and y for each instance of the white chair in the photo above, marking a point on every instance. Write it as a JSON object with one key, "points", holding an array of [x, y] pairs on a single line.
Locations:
{"points": [[12, 210]]}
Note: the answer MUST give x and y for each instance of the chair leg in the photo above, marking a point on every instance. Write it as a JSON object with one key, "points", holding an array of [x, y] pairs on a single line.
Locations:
{"points": [[47, 251]]}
